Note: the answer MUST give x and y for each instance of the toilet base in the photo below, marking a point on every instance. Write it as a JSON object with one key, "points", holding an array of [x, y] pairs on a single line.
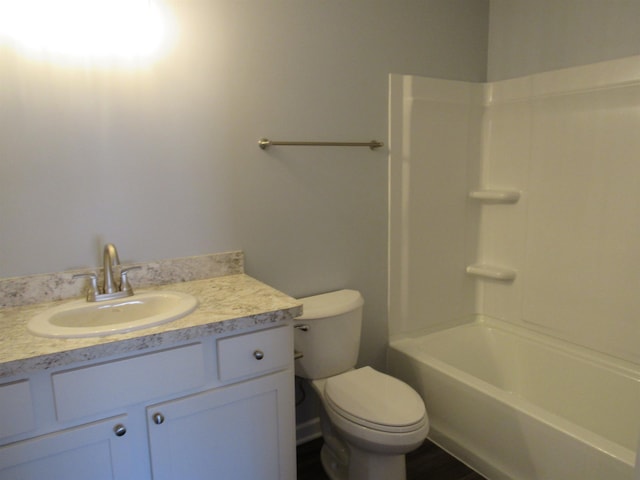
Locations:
{"points": [[334, 453], [363, 465], [333, 467], [342, 460], [367, 466]]}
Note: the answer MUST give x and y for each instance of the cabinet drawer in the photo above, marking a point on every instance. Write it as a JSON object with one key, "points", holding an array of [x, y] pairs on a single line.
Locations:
{"points": [[107, 386], [16, 414], [255, 353]]}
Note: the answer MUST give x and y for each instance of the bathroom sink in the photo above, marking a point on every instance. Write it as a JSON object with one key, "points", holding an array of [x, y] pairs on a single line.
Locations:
{"points": [[80, 318]]}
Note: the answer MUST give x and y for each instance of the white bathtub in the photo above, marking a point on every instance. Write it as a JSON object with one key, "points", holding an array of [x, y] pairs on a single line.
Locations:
{"points": [[513, 404]]}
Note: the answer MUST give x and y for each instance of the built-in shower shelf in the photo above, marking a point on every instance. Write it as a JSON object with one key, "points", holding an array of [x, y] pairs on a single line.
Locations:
{"points": [[493, 272], [495, 196]]}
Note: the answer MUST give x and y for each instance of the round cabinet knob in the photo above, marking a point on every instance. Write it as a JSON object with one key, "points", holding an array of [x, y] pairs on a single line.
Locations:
{"points": [[119, 430], [158, 418], [258, 354]]}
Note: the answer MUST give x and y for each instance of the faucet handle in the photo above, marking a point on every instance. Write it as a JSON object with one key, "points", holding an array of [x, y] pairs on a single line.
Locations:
{"points": [[92, 291], [125, 286]]}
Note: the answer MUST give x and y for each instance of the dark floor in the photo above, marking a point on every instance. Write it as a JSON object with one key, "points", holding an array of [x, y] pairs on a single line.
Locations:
{"points": [[427, 462]]}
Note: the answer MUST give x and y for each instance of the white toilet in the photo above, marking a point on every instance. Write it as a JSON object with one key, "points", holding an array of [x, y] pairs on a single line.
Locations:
{"points": [[369, 420]]}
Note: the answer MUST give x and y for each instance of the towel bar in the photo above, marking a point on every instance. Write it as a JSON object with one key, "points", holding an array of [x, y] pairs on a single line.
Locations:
{"points": [[373, 144]]}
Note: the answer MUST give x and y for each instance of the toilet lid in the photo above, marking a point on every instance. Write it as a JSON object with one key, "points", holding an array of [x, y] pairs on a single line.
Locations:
{"points": [[373, 399]]}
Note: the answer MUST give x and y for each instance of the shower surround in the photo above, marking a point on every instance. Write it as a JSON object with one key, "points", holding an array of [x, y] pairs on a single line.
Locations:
{"points": [[517, 200]]}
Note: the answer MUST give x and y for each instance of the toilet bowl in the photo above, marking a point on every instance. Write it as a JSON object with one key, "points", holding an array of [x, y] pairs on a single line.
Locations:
{"points": [[369, 420]]}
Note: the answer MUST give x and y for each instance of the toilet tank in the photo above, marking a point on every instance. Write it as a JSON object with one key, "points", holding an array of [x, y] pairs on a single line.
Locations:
{"points": [[331, 340]]}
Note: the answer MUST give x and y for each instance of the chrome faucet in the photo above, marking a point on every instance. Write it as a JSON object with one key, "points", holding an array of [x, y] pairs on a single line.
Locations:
{"points": [[110, 289], [110, 260]]}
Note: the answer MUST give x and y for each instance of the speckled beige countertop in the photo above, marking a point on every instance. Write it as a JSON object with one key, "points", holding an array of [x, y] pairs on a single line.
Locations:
{"points": [[227, 304]]}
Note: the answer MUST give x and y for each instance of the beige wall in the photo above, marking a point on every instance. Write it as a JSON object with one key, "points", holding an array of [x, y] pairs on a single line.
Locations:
{"points": [[528, 36], [164, 162]]}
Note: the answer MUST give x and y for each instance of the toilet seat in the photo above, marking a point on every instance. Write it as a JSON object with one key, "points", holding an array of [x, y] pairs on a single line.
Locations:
{"points": [[375, 400]]}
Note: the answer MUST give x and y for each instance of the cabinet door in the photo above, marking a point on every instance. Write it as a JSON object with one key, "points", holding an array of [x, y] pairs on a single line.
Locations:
{"points": [[89, 452], [243, 431]]}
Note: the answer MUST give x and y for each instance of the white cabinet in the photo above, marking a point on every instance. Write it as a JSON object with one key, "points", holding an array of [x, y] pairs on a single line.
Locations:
{"points": [[17, 415], [97, 451], [230, 433], [222, 407]]}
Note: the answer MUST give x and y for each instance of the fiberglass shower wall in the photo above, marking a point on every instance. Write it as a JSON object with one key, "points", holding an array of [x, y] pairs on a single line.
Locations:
{"points": [[567, 144], [435, 128]]}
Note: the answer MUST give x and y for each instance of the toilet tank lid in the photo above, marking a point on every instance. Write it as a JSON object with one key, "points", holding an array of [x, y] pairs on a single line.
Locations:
{"points": [[330, 304]]}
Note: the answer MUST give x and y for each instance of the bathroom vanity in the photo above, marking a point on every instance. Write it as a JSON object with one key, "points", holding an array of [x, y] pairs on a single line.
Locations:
{"points": [[207, 396]]}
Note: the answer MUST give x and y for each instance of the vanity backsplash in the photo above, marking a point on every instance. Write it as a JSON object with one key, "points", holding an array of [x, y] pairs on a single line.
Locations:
{"points": [[33, 289]]}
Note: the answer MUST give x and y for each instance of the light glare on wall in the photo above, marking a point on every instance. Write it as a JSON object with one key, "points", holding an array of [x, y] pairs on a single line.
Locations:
{"points": [[115, 31]]}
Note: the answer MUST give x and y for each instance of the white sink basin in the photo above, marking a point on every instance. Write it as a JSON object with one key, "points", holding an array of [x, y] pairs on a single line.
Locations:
{"points": [[80, 318]]}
